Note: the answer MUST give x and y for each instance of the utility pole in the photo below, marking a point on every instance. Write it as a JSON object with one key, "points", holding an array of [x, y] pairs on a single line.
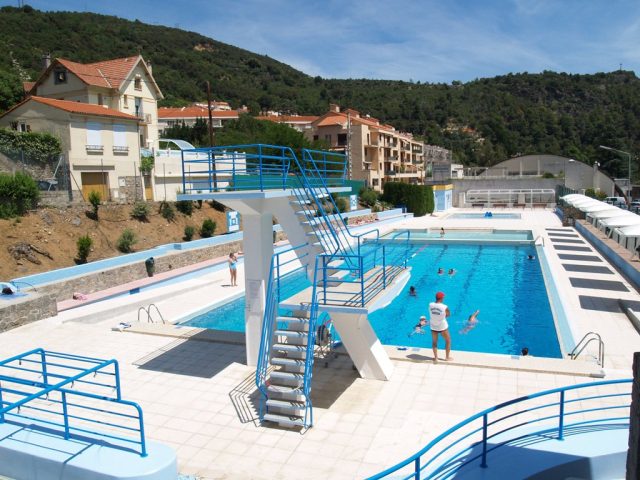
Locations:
{"points": [[213, 158]]}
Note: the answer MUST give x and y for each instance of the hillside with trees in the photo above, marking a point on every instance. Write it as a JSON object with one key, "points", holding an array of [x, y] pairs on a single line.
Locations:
{"points": [[484, 121]]}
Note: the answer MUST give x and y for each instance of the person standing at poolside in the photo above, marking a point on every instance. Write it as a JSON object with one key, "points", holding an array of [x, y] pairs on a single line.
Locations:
{"points": [[442, 232], [438, 313], [233, 269]]}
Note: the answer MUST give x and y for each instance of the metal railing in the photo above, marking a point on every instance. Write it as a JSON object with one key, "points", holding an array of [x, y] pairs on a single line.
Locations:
{"points": [[79, 397], [584, 342], [147, 310], [467, 443]]}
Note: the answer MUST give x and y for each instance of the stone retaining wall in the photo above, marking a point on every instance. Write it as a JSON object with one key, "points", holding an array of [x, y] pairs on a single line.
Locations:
{"points": [[23, 310]]}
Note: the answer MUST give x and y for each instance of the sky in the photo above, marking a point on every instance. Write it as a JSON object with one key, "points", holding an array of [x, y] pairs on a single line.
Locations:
{"points": [[435, 41]]}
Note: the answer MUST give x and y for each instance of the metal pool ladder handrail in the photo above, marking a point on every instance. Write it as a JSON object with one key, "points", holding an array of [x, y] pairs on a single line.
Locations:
{"points": [[586, 340], [539, 237], [147, 310]]}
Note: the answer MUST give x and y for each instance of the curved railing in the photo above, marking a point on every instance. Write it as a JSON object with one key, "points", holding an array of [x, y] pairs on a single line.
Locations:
{"points": [[467, 443]]}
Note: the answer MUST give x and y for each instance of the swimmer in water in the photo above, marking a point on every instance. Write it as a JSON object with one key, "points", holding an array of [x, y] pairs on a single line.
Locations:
{"points": [[418, 329], [472, 321]]}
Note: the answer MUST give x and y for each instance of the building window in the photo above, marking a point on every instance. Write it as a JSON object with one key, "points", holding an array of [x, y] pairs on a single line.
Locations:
{"points": [[100, 100], [59, 76], [137, 83], [125, 101], [342, 139], [327, 137], [315, 138]]}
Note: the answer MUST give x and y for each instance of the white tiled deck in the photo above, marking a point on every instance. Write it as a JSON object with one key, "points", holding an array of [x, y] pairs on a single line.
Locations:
{"points": [[199, 397]]}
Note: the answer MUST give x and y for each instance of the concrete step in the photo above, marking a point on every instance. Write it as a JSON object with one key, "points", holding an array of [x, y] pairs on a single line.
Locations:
{"points": [[285, 407], [286, 378], [284, 392], [294, 365], [285, 420], [295, 337]]}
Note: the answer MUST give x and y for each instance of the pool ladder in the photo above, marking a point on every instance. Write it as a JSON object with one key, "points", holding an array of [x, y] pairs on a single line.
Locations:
{"points": [[586, 340], [541, 238], [147, 310]]}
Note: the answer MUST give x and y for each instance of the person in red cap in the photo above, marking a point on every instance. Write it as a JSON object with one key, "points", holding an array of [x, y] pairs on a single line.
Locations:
{"points": [[439, 312]]}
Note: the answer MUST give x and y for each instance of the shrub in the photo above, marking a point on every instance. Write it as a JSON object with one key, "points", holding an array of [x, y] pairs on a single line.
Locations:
{"points": [[167, 211], [417, 198], [84, 244], [342, 204], [34, 145], [140, 211], [18, 193], [548, 175], [208, 228], [146, 164], [199, 202], [217, 206], [368, 197], [189, 231], [126, 241], [95, 199], [185, 206]]}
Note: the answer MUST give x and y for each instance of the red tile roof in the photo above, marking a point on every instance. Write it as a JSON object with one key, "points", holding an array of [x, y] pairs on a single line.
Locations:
{"points": [[78, 107], [108, 74], [289, 118], [194, 112], [340, 118]]}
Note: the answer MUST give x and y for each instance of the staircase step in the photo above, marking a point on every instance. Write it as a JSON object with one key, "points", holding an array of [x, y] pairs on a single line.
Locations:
{"points": [[289, 348], [285, 407], [292, 334], [285, 392], [291, 364], [290, 421], [306, 213], [286, 378], [294, 322]]}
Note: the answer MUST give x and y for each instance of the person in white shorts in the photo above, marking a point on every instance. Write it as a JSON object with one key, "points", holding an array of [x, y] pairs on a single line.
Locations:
{"points": [[438, 313]]}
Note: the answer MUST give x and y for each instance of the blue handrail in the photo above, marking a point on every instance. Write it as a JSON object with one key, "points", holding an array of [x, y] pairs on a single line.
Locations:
{"points": [[23, 388], [452, 463]]}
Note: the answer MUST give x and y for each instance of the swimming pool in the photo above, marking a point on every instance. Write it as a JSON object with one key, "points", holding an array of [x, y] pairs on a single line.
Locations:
{"points": [[466, 234], [457, 216], [498, 280]]}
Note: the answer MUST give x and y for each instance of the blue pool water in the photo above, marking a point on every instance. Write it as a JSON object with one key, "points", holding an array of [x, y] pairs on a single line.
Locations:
{"points": [[482, 215], [498, 280], [230, 315], [466, 234]]}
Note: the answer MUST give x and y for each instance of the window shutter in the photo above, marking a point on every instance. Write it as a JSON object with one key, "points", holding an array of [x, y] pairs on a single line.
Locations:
{"points": [[94, 133], [119, 136]]}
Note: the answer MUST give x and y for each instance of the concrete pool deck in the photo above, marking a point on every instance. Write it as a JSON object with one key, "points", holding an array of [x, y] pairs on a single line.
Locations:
{"points": [[199, 397]]}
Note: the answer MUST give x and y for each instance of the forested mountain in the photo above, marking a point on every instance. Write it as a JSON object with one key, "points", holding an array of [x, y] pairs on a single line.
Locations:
{"points": [[484, 121]]}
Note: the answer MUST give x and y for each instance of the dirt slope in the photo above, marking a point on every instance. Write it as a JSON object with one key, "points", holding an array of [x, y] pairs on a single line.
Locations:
{"points": [[56, 230]]}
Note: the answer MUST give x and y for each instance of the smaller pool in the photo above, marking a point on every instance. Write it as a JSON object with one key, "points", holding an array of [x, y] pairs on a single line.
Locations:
{"points": [[503, 216], [466, 234]]}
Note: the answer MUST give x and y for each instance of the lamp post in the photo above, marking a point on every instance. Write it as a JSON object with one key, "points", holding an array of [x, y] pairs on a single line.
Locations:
{"points": [[622, 152], [571, 160]]}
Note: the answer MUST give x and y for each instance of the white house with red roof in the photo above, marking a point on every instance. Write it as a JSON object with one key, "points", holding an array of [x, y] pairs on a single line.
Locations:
{"points": [[104, 113], [302, 123], [100, 143], [123, 84]]}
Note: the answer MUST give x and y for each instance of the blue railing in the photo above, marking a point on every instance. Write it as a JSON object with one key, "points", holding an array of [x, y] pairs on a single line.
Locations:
{"points": [[60, 391], [467, 443]]}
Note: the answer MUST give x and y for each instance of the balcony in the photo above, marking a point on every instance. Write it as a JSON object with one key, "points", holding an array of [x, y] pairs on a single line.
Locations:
{"points": [[144, 117], [119, 150], [392, 158], [95, 148]]}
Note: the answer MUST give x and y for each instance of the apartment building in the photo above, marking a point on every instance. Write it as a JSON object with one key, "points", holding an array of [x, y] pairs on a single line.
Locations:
{"points": [[378, 152]]}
